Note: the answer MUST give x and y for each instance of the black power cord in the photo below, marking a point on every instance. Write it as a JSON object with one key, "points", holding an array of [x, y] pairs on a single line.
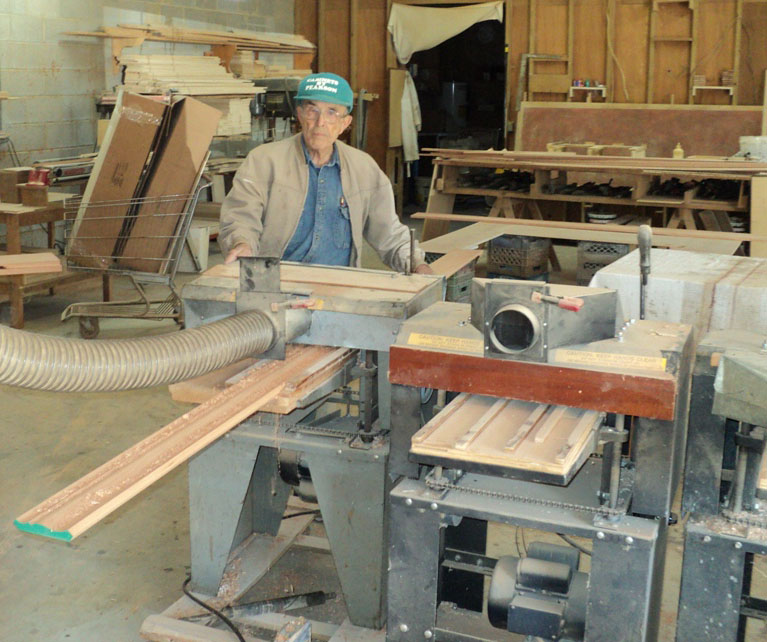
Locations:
{"points": [[207, 607], [575, 544]]}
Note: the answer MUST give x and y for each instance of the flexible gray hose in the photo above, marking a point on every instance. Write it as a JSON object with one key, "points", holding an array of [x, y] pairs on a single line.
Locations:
{"points": [[76, 365]]}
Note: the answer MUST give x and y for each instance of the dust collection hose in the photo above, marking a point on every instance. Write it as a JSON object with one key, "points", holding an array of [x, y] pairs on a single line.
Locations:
{"points": [[75, 365]]}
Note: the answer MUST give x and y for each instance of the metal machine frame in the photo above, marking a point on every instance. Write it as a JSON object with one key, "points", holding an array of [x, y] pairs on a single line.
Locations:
{"points": [[237, 490], [728, 523], [628, 534]]}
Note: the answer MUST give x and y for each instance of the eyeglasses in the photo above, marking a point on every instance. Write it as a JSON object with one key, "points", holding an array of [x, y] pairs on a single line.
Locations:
{"points": [[331, 116]]}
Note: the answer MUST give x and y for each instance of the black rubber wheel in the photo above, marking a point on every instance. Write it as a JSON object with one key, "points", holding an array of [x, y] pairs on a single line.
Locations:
{"points": [[89, 327]]}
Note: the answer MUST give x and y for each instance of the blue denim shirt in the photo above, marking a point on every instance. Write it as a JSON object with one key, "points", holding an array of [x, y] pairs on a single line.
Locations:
{"points": [[324, 232]]}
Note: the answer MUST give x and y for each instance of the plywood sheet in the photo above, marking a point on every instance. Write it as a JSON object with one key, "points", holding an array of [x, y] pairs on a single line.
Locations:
{"points": [[510, 434], [661, 127]]}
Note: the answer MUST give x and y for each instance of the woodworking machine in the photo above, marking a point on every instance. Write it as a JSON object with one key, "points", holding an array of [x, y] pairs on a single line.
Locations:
{"points": [[544, 376], [239, 487]]}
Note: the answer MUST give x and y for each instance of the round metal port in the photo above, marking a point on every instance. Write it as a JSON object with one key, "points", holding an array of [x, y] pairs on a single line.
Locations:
{"points": [[514, 329]]}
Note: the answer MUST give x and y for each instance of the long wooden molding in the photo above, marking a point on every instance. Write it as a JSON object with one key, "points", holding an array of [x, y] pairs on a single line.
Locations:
{"points": [[629, 231], [87, 501]]}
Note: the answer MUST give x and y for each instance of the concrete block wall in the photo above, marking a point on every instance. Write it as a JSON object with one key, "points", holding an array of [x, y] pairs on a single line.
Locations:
{"points": [[56, 78]]}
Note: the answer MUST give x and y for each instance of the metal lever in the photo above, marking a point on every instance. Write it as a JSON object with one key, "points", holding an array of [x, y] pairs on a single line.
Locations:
{"points": [[645, 245], [565, 302]]}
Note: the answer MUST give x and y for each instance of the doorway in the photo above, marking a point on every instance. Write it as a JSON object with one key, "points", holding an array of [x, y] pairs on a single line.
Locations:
{"points": [[461, 91]]}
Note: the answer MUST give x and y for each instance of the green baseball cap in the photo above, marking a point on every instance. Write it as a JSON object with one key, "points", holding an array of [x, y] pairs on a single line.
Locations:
{"points": [[326, 87]]}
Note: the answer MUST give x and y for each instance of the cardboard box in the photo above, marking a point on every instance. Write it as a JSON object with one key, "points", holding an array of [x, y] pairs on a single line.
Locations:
{"points": [[101, 130], [178, 162], [34, 195], [10, 179], [114, 181]]}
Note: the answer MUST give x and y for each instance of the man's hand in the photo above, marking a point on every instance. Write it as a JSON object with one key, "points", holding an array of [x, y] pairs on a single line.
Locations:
{"points": [[241, 249], [424, 268]]}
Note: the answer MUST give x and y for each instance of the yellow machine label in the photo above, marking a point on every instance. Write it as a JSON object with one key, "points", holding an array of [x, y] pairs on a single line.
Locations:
{"points": [[610, 360], [440, 342]]}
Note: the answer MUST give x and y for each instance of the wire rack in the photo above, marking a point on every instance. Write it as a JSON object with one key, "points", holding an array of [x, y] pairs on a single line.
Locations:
{"points": [[141, 239]]}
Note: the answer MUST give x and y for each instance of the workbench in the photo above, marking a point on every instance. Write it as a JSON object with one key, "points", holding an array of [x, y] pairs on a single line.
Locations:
{"points": [[550, 173], [15, 216]]}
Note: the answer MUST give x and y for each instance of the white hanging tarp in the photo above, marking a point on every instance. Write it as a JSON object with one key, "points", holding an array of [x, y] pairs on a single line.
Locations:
{"points": [[419, 28], [411, 120]]}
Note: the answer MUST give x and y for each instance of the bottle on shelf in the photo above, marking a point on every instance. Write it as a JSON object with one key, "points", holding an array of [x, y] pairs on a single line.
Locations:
{"points": [[678, 151]]}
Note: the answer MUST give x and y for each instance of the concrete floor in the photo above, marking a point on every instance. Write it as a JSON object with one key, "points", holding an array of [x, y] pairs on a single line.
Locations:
{"points": [[132, 564]]}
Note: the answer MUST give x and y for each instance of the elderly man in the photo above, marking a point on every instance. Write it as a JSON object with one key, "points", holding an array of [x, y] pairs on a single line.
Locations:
{"points": [[312, 198]]}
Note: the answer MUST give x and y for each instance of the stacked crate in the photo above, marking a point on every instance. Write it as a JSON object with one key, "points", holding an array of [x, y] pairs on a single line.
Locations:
{"points": [[593, 256], [518, 257]]}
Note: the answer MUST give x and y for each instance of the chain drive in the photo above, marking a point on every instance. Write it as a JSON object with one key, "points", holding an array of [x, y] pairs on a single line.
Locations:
{"points": [[744, 519], [443, 484]]}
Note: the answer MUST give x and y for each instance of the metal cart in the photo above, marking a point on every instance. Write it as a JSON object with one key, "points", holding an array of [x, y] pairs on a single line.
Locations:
{"points": [[142, 255]]}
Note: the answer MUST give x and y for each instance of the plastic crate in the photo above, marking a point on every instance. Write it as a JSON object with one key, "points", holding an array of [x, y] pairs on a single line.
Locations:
{"points": [[518, 256], [593, 256], [458, 286]]}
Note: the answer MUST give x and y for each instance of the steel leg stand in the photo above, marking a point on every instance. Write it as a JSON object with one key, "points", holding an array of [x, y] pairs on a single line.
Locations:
{"points": [[236, 490], [228, 502], [712, 580]]}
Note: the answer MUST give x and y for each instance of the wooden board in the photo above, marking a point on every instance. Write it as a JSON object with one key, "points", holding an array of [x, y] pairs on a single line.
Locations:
{"points": [[33, 263], [695, 240], [759, 214], [640, 395], [87, 501], [450, 263], [328, 361], [322, 279], [660, 126], [510, 434], [467, 238]]}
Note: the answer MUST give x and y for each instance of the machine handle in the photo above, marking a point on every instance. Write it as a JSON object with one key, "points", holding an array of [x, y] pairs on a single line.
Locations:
{"points": [[565, 302]]}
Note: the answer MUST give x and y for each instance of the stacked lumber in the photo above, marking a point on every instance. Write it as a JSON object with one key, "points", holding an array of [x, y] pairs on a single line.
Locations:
{"points": [[257, 41], [280, 71], [252, 40], [188, 75], [244, 65], [235, 118]]}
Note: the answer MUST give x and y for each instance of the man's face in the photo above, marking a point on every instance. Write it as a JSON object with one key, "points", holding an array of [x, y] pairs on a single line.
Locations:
{"points": [[322, 123]]}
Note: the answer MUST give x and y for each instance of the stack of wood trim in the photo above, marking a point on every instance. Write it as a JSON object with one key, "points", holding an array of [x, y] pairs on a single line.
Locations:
{"points": [[570, 161], [188, 75], [235, 118], [88, 500], [256, 41], [244, 65]]}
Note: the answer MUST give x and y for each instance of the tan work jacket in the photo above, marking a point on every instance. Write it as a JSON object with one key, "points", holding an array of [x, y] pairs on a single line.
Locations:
{"points": [[268, 192]]}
